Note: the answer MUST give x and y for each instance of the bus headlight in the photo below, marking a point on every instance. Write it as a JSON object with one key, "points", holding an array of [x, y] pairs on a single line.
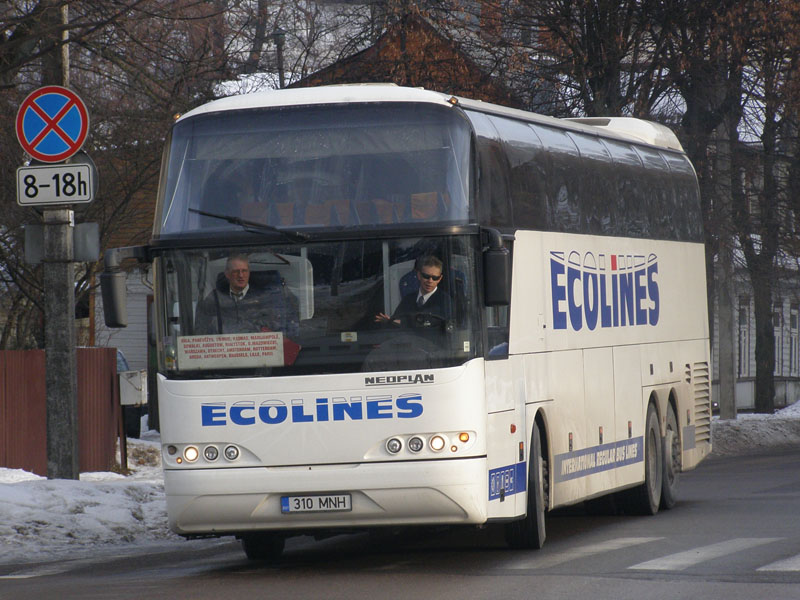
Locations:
{"points": [[191, 454], [231, 452], [211, 453], [438, 443], [415, 444], [394, 445]]}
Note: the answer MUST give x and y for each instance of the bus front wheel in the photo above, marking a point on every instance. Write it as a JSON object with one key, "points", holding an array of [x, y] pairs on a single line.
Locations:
{"points": [[263, 546], [529, 532]]}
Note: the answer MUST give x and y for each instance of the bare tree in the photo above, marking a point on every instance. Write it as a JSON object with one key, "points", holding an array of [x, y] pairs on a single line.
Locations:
{"points": [[136, 63], [762, 215]]}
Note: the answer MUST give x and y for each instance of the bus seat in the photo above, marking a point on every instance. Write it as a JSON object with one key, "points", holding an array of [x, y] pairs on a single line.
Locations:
{"points": [[402, 208], [318, 213], [256, 211], [426, 206], [266, 279], [408, 284], [342, 211], [283, 213], [384, 209], [365, 212]]}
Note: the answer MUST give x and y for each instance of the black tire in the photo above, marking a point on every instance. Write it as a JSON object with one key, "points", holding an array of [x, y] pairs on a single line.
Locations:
{"points": [[645, 498], [529, 532], [265, 547], [670, 476]]}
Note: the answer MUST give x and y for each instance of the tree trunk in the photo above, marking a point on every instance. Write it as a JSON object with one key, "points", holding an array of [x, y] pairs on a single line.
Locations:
{"points": [[765, 341]]}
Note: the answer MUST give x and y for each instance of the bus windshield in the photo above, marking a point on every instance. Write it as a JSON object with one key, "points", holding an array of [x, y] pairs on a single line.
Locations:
{"points": [[336, 166], [316, 308]]}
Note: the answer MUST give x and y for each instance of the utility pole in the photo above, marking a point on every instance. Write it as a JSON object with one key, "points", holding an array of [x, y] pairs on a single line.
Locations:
{"points": [[51, 125], [63, 449], [279, 35]]}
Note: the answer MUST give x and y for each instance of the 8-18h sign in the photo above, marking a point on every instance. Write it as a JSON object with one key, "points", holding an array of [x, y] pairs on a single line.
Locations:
{"points": [[56, 184], [52, 125]]}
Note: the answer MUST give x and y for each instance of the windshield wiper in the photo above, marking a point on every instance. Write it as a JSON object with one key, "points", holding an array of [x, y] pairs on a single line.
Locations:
{"points": [[253, 226]]}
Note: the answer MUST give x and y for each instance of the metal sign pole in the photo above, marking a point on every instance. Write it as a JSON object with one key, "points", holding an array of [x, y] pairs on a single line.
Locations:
{"points": [[63, 451], [51, 125]]}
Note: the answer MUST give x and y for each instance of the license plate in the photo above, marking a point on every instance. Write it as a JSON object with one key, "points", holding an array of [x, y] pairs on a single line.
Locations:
{"points": [[316, 503]]}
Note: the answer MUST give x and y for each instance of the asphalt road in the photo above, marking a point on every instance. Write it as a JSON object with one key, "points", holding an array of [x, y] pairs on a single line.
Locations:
{"points": [[734, 535]]}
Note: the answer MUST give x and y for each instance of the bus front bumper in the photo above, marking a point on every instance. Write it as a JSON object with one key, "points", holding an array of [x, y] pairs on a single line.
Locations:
{"points": [[239, 500]]}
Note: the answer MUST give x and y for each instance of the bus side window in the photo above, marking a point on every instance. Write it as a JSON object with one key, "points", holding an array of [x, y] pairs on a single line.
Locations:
{"points": [[497, 331]]}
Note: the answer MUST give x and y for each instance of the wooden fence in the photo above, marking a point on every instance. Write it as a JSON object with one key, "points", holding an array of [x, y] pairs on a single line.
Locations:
{"points": [[23, 423]]}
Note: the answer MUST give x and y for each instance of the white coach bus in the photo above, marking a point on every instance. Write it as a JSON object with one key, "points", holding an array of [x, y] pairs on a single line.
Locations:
{"points": [[570, 361]]}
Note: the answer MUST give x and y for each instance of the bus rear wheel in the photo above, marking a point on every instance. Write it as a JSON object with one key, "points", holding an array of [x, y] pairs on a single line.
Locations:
{"points": [[529, 532], [672, 461], [645, 498], [263, 546]]}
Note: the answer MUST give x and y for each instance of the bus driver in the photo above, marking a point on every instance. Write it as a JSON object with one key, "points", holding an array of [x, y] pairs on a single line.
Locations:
{"points": [[429, 300]]}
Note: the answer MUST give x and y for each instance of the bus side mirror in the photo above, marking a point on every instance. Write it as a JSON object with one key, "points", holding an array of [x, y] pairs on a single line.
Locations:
{"points": [[497, 277], [115, 300], [112, 284]]}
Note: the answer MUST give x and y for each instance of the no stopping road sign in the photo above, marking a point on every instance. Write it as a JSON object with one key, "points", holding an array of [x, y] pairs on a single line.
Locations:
{"points": [[52, 124]]}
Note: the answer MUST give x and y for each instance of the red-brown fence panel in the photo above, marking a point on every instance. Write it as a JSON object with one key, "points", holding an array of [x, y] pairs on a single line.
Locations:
{"points": [[23, 430], [98, 408], [23, 416]]}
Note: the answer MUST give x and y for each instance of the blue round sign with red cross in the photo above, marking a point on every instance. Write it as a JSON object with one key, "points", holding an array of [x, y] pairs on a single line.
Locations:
{"points": [[52, 124]]}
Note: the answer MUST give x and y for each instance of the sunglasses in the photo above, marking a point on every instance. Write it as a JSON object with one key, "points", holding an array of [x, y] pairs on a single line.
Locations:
{"points": [[432, 277]]}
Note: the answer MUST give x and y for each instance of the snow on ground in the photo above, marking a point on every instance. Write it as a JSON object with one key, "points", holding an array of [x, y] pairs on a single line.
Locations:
{"points": [[43, 519], [751, 433]]}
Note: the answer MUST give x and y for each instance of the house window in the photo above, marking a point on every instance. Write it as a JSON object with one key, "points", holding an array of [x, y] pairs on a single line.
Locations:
{"points": [[744, 337], [777, 324], [794, 341]]}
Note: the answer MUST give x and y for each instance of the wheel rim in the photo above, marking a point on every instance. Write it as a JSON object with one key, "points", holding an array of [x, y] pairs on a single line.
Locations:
{"points": [[652, 462], [674, 455]]}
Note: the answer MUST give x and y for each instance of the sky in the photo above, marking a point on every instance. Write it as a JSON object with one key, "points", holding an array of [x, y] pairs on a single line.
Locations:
{"points": [[42, 520]]}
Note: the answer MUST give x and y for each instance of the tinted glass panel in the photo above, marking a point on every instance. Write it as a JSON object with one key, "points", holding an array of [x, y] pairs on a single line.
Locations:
{"points": [[317, 308], [340, 166], [493, 197]]}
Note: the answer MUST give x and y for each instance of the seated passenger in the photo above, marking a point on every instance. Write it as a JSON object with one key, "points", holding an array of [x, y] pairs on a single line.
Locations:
{"points": [[234, 306], [429, 299]]}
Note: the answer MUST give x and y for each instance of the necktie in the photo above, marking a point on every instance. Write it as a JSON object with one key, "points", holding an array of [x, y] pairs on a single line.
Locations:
{"points": [[420, 301]]}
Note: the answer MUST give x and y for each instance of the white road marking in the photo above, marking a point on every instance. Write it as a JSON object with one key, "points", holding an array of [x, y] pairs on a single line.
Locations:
{"points": [[684, 560], [41, 571], [787, 564], [539, 560]]}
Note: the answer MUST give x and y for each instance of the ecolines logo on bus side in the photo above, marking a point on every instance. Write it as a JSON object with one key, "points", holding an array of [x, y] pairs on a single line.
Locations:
{"points": [[272, 412], [615, 290]]}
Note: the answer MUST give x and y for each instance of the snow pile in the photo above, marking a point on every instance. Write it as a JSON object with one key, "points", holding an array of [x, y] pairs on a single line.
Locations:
{"points": [[44, 519], [751, 434], [41, 518]]}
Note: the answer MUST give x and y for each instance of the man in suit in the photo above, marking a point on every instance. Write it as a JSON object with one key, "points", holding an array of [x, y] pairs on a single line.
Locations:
{"points": [[235, 306], [430, 306]]}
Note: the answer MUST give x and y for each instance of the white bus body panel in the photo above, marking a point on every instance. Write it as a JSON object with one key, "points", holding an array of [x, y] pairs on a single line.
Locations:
{"points": [[317, 450], [593, 359]]}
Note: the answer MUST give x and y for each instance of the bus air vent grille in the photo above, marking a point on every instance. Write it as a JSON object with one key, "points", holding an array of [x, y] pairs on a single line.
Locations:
{"points": [[701, 389]]}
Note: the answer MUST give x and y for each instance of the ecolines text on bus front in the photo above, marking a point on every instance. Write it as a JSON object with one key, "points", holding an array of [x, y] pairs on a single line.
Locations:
{"points": [[274, 411], [615, 290]]}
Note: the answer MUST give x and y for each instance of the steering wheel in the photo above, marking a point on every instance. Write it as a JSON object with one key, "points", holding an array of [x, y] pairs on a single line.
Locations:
{"points": [[429, 320]]}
